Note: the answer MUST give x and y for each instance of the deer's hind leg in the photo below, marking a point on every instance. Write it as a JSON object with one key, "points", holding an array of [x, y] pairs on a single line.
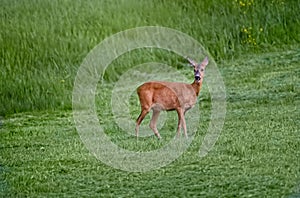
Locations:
{"points": [[153, 122], [140, 119]]}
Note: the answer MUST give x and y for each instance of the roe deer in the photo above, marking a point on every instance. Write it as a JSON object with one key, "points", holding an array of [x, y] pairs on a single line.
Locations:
{"points": [[158, 96]]}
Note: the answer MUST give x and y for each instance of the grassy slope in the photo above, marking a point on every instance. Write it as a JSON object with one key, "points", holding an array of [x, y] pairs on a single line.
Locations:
{"points": [[42, 44]]}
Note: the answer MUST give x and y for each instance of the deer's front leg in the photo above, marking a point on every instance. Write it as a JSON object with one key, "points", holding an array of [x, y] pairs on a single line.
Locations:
{"points": [[184, 126], [181, 122]]}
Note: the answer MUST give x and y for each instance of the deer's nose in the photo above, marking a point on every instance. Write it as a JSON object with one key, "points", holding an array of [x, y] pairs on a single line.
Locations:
{"points": [[197, 78]]}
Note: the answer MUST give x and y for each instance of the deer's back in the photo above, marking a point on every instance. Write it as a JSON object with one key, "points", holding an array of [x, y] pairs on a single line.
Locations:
{"points": [[167, 95]]}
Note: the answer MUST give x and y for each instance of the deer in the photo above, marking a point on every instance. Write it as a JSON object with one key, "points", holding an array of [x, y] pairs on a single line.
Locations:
{"points": [[169, 96]]}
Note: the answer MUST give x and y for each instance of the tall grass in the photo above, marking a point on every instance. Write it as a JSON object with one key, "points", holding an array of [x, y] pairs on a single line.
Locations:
{"points": [[42, 42]]}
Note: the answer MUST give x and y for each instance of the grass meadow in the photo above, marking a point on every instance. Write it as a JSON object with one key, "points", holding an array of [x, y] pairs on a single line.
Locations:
{"points": [[256, 45]]}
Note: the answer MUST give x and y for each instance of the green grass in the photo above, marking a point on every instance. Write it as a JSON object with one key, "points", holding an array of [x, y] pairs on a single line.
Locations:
{"points": [[256, 155], [256, 46]]}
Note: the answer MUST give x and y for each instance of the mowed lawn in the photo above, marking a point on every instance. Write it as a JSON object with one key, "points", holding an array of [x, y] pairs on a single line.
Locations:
{"points": [[257, 153]]}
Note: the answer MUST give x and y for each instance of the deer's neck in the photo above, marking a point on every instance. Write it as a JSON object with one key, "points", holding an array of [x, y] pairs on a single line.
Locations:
{"points": [[197, 87]]}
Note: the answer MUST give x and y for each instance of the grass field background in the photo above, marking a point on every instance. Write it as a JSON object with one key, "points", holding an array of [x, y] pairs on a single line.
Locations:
{"points": [[256, 46]]}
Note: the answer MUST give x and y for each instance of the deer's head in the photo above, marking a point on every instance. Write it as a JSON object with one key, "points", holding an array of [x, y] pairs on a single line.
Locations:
{"points": [[199, 68]]}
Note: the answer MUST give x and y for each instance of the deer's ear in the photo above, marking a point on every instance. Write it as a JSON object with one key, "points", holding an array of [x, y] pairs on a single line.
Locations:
{"points": [[192, 62], [204, 62]]}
